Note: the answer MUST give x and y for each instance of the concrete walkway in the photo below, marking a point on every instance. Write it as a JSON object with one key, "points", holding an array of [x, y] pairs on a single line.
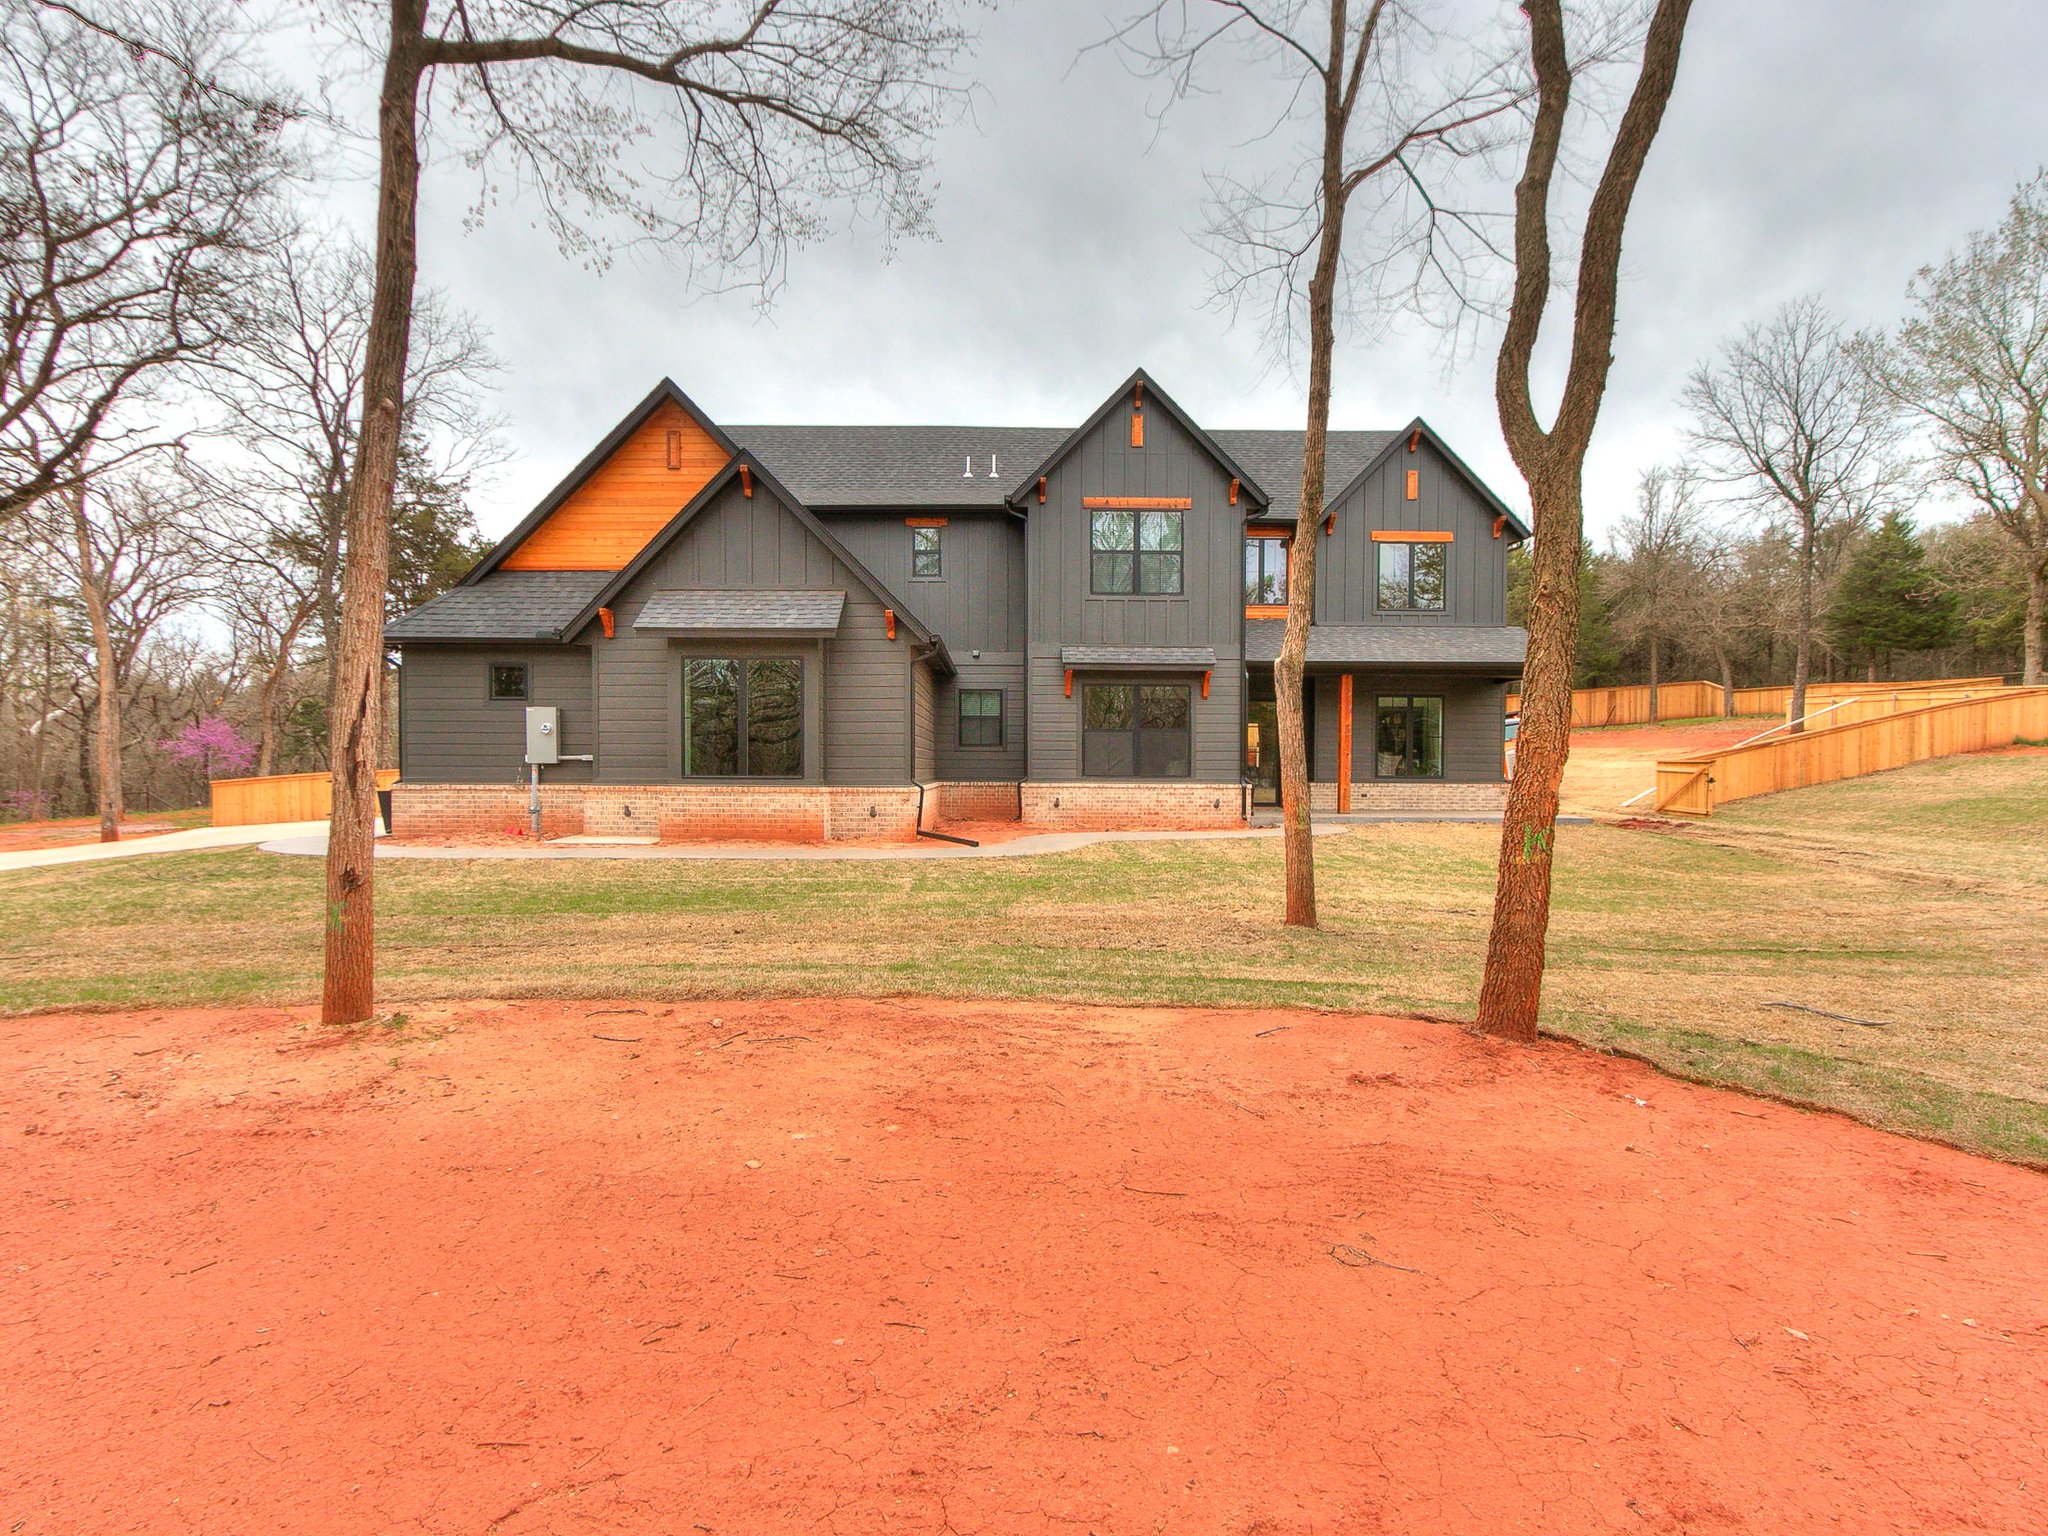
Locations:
{"points": [[163, 842], [315, 845]]}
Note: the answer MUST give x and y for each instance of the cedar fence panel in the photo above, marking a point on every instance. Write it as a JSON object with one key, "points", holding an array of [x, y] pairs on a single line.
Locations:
{"points": [[1629, 704], [280, 797], [1693, 786]]}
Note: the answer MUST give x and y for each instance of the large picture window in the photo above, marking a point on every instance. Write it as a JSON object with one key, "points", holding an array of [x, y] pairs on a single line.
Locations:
{"points": [[981, 717], [1265, 573], [1136, 731], [1410, 738], [1411, 576], [743, 718], [1135, 554]]}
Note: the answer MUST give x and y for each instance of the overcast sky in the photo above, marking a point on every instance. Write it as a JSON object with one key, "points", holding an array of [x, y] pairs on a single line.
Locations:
{"points": [[1812, 146]]}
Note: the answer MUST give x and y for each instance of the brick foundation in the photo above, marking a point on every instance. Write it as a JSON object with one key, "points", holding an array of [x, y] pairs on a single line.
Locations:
{"points": [[971, 801], [700, 813], [1487, 798], [1176, 805]]}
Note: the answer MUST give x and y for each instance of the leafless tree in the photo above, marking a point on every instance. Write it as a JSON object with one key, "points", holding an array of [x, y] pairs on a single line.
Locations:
{"points": [[133, 201], [1389, 118], [766, 111], [1656, 571], [1971, 363], [1790, 423], [1552, 461], [128, 545], [290, 395]]}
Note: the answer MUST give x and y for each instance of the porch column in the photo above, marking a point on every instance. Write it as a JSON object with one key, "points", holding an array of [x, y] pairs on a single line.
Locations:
{"points": [[1344, 744]]}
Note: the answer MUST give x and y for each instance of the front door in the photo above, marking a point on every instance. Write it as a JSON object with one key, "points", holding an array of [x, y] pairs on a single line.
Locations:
{"points": [[1262, 750]]}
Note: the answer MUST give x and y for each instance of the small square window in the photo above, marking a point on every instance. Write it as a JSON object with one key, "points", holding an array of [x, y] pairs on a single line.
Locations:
{"points": [[924, 555], [981, 717], [508, 680]]}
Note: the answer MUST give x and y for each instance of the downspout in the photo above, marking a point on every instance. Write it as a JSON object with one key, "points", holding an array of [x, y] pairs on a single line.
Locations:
{"points": [[942, 837]]}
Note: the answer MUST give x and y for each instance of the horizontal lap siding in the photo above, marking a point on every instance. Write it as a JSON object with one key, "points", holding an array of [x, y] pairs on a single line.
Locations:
{"points": [[452, 732], [1347, 570], [1004, 672], [1474, 722], [924, 752], [1217, 722]]}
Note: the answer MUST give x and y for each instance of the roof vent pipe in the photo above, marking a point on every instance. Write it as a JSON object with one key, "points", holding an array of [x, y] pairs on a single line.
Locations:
{"points": [[991, 466], [967, 467]]}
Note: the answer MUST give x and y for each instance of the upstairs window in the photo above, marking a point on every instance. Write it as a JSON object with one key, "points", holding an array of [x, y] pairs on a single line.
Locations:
{"points": [[1411, 576], [1135, 554], [1265, 572], [925, 560], [508, 681], [981, 717]]}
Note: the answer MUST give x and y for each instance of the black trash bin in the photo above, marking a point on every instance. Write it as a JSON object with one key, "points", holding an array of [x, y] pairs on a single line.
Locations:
{"points": [[384, 808]]}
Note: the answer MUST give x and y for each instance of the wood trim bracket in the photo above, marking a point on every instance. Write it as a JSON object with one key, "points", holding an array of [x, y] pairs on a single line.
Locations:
{"points": [[1344, 744], [924, 522], [1234, 484], [608, 619], [1070, 682], [1138, 415], [1411, 536], [747, 481], [1414, 439], [1041, 490], [889, 621], [1499, 523], [1329, 525], [1205, 683]]}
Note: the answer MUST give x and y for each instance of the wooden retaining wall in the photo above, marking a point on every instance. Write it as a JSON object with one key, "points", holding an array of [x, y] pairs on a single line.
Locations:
{"points": [[1694, 786], [280, 797]]}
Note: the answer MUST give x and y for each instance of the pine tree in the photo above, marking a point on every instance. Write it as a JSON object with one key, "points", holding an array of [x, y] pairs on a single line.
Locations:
{"points": [[1887, 601]]}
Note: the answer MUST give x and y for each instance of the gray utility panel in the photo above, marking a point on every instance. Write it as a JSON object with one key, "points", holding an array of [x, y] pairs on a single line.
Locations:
{"points": [[543, 734]]}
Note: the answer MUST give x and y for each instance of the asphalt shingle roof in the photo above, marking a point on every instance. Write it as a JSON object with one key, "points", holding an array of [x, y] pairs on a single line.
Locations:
{"points": [[1185, 658], [927, 466], [802, 612], [506, 605], [1398, 645]]}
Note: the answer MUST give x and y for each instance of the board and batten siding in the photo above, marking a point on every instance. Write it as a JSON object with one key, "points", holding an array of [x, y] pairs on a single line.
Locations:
{"points": [[1063, 612], [1476, 574], [857, 685], [1475, 718], [451, 731]]}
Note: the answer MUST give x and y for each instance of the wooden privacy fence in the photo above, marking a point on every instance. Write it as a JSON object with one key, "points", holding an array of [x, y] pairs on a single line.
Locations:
{"points": [[1629, 704], [280, 797], [1694, 786]]}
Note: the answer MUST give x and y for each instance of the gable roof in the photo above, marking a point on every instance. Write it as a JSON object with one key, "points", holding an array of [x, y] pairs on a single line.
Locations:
{"points": [[1428, 434], [899, 466], [1159, 397], [1274, 454], [666, 391], [618, 581]]}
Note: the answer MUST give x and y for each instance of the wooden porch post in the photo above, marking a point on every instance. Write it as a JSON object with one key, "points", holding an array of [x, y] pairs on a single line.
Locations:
{"points": [[1344, 744]]}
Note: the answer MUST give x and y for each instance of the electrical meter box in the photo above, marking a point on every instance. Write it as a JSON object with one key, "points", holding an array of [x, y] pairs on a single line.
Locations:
{"points": [[543, 734]]}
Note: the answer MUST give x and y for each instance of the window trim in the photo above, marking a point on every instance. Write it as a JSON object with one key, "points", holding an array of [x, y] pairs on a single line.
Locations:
{"points": [[1383, 543], [742, 703], [937, 551], [1187, 690], [525, 694], [961, 717], [1257, 538], [1136, 550], [1408, 701]]}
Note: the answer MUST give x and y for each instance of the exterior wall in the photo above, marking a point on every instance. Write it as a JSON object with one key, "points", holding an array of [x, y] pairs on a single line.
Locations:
{"points": [[977, 604], [1395, 795], [697, 812], [1476, 573], [451, 731], [1116, 804], [951, 800], [923, 723], [1475, 719], [1064, 612], [857, 688]]}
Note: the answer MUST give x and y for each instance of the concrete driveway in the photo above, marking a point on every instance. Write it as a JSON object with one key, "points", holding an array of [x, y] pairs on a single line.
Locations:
{"points": [[162, 842]]}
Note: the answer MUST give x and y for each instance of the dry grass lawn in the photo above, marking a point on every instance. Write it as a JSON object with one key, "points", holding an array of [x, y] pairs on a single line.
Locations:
{"points": [[1914, 899]]}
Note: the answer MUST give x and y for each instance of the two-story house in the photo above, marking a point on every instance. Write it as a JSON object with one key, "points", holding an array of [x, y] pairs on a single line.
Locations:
{"points": [[792, 631]]}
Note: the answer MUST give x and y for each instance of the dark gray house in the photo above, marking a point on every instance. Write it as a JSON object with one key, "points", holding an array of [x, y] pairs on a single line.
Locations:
{"points": [[789, 631]]}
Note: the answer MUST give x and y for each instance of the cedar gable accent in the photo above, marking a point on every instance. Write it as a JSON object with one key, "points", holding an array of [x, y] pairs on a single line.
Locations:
{"points": [[626, 500]]}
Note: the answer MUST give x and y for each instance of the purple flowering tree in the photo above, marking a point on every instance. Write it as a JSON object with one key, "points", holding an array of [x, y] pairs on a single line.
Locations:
{"points": [[213, 746]]}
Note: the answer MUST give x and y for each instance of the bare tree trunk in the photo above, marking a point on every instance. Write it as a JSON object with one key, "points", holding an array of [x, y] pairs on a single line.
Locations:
{"points": [[273, 681], [107, 724], [2035, 638], [348, 994], [1654, 658], [1802, 648]]}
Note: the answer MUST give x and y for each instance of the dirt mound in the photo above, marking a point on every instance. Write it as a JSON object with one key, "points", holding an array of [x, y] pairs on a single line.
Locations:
{"points": [[880, 1267]]}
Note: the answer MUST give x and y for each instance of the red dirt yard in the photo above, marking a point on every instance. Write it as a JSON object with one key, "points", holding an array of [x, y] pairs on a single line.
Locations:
{"points": [[905, 1267]]}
